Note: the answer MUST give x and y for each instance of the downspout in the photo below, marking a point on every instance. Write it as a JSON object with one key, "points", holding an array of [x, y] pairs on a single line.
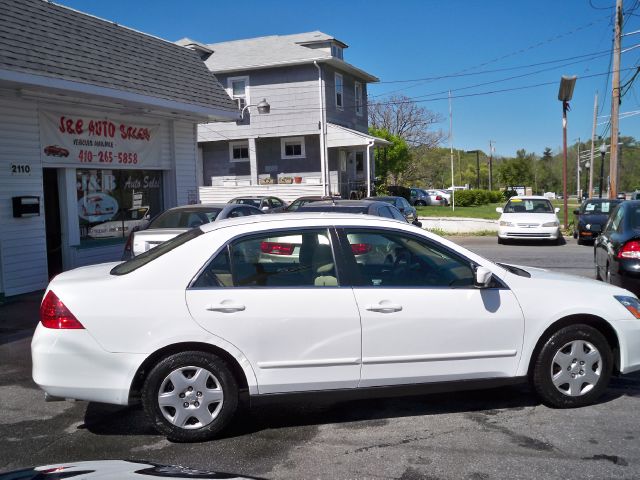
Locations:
{"points": [[369, 145], [323, 133]]}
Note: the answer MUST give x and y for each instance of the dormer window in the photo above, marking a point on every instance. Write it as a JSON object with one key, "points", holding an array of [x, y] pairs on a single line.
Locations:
{"points": [[336, 51]]}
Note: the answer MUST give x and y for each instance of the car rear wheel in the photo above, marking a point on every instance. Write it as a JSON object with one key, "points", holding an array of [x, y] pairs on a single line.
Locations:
{"points": [[573, 367], [420, 203], [190, 396]]}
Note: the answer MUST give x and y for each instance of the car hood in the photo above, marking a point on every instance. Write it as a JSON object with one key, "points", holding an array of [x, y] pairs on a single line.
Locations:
{"points": [[529, 217], [542, 274]]}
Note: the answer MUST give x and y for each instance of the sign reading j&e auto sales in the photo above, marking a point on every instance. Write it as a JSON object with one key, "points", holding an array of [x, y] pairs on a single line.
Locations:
{"points": [[97, 142]]}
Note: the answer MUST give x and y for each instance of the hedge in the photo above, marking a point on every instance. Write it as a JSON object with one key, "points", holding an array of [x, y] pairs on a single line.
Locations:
{"points": [[473, 198]]}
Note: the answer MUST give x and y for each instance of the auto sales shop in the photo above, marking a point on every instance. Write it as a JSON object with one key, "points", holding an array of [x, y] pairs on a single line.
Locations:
{"points": [[97, 134]]}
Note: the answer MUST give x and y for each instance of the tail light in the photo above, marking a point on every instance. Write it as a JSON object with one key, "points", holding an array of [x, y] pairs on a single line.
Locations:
{"points": [[631, 249], [55, 314], [438, 198], [275, 248], [360, 248]]}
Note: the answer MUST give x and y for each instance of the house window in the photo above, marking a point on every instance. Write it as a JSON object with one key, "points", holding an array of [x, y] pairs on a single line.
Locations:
{"points": [[358, 93], [292, 147], [238, 89], [339, 94], [359, 161], [336, 51], [239, 151]]}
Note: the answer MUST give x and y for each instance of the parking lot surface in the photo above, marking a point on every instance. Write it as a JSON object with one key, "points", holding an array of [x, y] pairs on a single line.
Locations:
{"points": [[489, 434]]}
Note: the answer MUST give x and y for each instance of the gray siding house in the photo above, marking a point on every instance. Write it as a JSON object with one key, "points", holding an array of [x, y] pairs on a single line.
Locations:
{"points": [[316, 131]]}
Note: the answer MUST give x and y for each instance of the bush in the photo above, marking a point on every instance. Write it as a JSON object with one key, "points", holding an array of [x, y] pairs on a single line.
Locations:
{"points": [[507, 194], [398, 191], [474, 198]]}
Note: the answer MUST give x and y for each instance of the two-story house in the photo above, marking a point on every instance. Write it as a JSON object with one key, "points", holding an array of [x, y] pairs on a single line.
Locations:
{"points": [[316, 131]]}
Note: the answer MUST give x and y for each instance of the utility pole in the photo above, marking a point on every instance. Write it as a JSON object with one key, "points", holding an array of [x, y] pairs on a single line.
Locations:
{"points": [[578, 172], [490, 164], [593, 141], [453, 180], [615, 103]]}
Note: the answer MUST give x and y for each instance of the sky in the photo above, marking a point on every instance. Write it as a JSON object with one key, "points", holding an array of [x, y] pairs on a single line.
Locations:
{"points": [[471, 47]]}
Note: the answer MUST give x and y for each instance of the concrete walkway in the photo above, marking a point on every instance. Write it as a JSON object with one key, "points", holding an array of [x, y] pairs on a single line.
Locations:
{"points": [[455, 225]]}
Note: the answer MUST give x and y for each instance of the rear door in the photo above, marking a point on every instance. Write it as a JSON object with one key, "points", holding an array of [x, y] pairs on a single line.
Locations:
{"points": [[278, 297]]}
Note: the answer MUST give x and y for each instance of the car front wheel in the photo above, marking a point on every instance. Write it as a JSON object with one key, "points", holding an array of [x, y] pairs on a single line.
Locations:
{"points": [[573, 367], [190, 396]]}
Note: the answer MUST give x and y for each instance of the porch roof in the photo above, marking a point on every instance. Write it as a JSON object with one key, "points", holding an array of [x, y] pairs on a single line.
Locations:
{"points": [[338, 136]]}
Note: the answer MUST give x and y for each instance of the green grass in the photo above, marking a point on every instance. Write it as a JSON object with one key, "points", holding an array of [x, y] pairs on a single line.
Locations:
{"points": [[486, 211]]}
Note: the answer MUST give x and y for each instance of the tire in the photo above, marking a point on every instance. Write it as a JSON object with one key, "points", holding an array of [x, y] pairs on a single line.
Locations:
{"points": [[201, 420], [420, 203], [578, 354], [501, 241], [598, 277]]}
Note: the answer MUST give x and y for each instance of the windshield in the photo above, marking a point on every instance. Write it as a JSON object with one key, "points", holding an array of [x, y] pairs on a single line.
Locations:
{"points": [[520, 205], [594, 207], [185, 218], [130, 214]]}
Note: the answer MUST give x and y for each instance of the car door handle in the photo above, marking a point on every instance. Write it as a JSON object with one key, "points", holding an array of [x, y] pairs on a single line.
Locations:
{"points": [[385, 307], [225, 307]]}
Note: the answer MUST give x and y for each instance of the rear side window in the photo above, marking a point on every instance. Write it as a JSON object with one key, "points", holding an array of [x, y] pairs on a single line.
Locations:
{"points": [[150, 255], [185, 218], [302, 258]]}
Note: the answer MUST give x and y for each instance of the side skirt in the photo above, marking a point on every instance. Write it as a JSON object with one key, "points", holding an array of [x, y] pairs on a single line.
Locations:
{"points": [[318, 396]]}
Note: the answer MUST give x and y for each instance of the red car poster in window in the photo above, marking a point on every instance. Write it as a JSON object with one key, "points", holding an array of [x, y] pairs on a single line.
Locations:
{"points": [[96, 142]]}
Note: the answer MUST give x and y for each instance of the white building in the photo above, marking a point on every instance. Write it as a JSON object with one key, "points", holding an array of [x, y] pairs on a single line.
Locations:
{"points": [[98, 130]]}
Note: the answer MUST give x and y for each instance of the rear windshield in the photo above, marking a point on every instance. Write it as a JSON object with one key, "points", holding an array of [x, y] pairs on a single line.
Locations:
{"points": [[185, 218], [519, 205], [150, 255], [255, 202], [598, 207]]}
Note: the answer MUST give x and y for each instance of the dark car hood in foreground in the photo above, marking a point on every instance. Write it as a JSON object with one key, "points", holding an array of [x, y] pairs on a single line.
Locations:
{"points": [[115, 469]]}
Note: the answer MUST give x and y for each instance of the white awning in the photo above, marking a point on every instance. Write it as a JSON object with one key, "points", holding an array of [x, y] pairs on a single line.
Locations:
{"points": [[338, 136]]}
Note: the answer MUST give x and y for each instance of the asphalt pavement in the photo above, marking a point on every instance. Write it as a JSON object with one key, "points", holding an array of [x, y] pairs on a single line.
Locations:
{"points": [[480, 435]]}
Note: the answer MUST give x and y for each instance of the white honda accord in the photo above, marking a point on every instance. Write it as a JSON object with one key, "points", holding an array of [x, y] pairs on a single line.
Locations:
{"points": [[223, 324], [528, 218]]}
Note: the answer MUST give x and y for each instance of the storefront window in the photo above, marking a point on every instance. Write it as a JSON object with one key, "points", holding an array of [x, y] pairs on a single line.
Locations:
{"points": [[112, 203]]}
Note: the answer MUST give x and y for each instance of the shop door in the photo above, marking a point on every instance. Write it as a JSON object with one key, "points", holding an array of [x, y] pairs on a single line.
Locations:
{"points": [[52, 221]]}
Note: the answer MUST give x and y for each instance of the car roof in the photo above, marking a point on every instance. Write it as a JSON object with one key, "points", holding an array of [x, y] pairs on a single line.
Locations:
{"points": [[323, 219], [254, 197], [344, 203], [380, 198]]}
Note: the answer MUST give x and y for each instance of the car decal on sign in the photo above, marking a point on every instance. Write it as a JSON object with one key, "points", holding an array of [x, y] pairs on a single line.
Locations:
{"points": [[97, 207]]}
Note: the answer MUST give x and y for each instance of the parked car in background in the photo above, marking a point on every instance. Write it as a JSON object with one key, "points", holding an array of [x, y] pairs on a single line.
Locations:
{"points": [[401, 204], [366, 207], [419, 197], [298, 202], [436, 198], [617, 248], [446, 194], [175, 221], [528, 218], [266, 204], [122, 223], [220, 328], [591, 218]]}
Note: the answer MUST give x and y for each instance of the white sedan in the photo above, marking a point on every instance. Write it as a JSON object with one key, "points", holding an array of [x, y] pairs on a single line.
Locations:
{"points": [[528, 218], [222, 325]]}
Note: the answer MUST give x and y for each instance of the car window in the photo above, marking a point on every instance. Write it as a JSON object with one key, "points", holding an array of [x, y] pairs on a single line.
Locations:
{"points": [[615, 222], [390, 259], [385, 212], [404, 203], [275, 203], [252, 211], [185, 218], [302, 258], [519, 205], [395, 213], [598, 207], [255, 202]]}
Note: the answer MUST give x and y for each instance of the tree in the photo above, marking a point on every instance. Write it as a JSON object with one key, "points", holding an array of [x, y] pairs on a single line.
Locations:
{"points": [[391, 161], [517, 171], [399, 115]]}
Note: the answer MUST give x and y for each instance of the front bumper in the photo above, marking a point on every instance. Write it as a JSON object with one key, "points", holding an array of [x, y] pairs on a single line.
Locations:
{"points": [[629, 338], [524, 233], [71, 364]]}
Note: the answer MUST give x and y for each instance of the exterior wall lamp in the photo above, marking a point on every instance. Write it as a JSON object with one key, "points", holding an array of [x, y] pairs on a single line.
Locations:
{"points": [[263, 108]]}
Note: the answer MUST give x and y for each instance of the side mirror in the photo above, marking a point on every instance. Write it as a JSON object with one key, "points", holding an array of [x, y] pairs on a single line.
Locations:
{"points": [[483, 277], [417, 223], [575, 212], [556, 209], [265, 208], [499, 210]]}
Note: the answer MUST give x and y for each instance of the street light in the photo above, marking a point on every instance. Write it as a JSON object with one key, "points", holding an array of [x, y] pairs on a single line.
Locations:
{"points": [[603, 152], [564, 95], [263, 108], [477, 152]]}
